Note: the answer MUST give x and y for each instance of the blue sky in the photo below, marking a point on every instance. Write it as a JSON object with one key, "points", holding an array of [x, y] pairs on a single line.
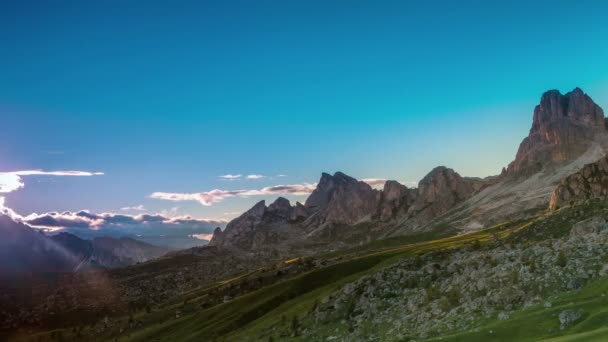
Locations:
{"points": [[167, 98]]}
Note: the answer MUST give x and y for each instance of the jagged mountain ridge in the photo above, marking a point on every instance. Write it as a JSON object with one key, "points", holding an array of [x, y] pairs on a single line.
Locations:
{"points": [[567, 132], [342, 200]]}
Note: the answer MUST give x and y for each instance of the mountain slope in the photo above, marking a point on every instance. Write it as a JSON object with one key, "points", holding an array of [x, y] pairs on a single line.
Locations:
{"points": [[24, 250]]}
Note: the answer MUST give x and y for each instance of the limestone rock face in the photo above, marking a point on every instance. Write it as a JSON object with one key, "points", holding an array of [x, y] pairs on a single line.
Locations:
{"points": [[396, 199], [563, 128], [240, 231], [341, 199], [440, 190], [299, 212], [591, 182], [281, 208]]}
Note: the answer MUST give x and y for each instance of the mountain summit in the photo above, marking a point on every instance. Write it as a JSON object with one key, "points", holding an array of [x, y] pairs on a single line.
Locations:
{"points": [[564, 127]]}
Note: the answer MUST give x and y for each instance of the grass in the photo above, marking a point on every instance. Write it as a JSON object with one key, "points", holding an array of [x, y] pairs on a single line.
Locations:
{"points": [[258, 312], [268, 311], [540, 323]]}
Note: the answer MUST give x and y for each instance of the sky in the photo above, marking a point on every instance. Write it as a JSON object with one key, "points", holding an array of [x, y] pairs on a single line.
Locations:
{"points": [[157, 101]]}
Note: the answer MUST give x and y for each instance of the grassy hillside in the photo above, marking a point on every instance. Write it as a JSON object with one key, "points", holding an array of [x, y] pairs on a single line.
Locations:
{"points": [[267, 313], [255, 314]]}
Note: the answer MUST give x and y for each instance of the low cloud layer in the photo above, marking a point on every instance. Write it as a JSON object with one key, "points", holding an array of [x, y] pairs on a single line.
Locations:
{"points": [[209, 198], [153, 228], [378, 183]]}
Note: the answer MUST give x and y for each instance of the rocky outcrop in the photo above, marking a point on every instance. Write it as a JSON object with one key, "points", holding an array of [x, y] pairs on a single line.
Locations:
{"points": [[591, 182], [563, 128], [441, 190], [396, 200], [240, 231], [341, 199]]}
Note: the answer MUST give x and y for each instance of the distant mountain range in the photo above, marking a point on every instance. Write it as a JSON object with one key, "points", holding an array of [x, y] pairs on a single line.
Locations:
{"points": [[24, 250]]}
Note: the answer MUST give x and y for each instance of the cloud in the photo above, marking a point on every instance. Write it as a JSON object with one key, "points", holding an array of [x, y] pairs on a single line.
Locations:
{"points": [[203, 236], [230, 177], [281, 175], [209, 198], [176, 232], [134, 208], [11, 181], [409, 184], [255, 176], [376, 183]]}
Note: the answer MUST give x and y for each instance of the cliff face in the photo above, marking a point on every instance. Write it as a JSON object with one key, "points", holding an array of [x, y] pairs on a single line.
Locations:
{"points": [[591, 182], [341, 199], [240, 231], [441, 190], [563, 128], [396, 199]]}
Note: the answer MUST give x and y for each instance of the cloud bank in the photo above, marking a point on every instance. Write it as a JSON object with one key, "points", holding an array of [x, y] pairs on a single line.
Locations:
{"points": [[209, 198], [176, 232]]}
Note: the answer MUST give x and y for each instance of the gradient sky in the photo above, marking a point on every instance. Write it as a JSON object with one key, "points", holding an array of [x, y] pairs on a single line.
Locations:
{"points": [[168, 98]]}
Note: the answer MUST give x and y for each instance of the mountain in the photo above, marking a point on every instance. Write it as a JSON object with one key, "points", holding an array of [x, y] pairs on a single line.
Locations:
{"points": [[455, 258], [568, 131], [564, 127], [340, 199], [24, 250]]}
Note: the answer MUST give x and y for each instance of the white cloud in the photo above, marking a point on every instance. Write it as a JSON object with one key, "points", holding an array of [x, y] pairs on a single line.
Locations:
{"points": [[214, 196], [206, 237], [409, 184], [376, 183], [230, 177], [11, 181], [156, 229], [255, 176], [134, 208], [281, 175]]}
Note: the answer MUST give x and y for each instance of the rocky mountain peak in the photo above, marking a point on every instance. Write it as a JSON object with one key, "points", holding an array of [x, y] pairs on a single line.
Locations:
{"points": [[341, 199], [280, 204], [396, 198], [575, 105], [326, 187], [238, 230], [563, 128], [441, 189]]}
